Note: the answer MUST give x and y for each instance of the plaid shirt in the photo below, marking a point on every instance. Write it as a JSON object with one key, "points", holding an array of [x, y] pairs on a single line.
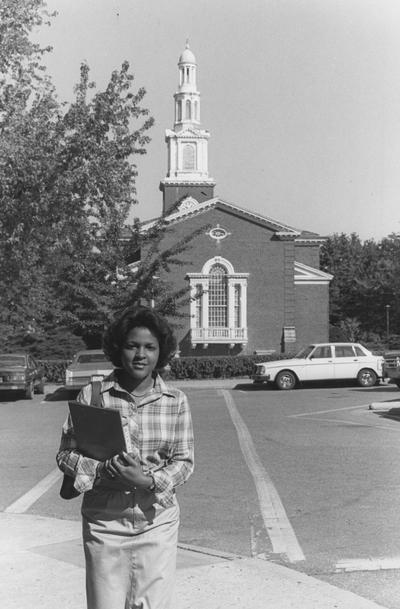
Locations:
{"points": [[159, 430]]}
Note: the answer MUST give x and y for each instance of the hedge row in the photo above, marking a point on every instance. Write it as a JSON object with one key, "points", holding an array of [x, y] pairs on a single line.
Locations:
{"points": [[216, 367], [184, 367]]}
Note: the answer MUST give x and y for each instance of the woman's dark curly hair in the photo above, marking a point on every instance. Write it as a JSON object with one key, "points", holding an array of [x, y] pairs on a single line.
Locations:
{"points": [[135, 317]]}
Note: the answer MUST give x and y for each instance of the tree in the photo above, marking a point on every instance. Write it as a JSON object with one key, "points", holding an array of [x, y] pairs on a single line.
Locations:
{"points": [[366, 279], [67, 185]]}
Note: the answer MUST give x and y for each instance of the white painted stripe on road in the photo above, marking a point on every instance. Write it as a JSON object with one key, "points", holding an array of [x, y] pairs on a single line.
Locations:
{"points": [[310, 414], [22, 504], [354, 423], [367, 564], [279, 529]]}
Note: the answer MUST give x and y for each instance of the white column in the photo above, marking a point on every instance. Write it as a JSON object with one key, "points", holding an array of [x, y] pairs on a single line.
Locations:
{"points": [[243, 305], [231, 304]]}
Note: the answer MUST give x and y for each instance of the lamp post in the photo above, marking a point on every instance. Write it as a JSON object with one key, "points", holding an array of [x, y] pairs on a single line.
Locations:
{"points": [[387, 307]]}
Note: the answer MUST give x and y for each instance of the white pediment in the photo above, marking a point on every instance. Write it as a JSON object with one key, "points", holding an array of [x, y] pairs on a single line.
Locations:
{"points": [[187, 204], [304, 274]]}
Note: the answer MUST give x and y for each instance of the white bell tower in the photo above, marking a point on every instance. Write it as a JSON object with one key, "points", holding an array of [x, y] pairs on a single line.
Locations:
{"points": [[187, 173]]}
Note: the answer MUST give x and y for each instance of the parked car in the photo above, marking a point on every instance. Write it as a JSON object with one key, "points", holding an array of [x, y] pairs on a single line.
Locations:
{"points": [[21, 372], [322, 361], [391, 366], [87, 366]]}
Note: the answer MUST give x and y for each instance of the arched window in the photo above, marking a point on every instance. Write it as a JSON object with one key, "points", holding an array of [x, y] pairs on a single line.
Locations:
{"points": [[218, 308], [188, 157], [188, 110], [196, 111], [218, 297], [179, 111]]}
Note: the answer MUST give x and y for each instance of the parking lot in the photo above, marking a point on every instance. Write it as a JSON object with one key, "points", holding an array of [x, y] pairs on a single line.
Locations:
{"points": [[307, 478]]}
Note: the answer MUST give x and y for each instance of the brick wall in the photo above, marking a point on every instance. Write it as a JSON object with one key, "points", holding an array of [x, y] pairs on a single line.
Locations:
{"points": [[272, 300]]}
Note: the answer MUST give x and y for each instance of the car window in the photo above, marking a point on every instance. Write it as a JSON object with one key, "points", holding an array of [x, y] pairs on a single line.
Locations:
{"points": [[305, 352], [359, 351], [344, 351], [91, 358], [12, 360], [322, 352]]}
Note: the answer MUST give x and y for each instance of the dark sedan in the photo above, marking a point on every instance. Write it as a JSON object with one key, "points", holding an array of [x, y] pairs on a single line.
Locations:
{"points": [[21, 372]]}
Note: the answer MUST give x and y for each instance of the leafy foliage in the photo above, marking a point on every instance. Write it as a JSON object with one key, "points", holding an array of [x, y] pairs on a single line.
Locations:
{"points": [[366, 281], [67, 186]]}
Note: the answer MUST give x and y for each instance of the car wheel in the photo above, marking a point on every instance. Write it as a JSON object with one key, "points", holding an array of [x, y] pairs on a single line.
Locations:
{"points": [[398, 383], [366, 378], [29, 391], [286, 380]]}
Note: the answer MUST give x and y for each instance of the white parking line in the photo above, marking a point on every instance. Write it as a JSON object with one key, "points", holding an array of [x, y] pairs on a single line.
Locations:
{"points": [[310, 414], [354, 423], [279, 529], [22, 504]]}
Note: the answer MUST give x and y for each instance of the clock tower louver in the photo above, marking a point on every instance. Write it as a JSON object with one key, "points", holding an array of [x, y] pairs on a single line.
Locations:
{"points": [[187, 175]]}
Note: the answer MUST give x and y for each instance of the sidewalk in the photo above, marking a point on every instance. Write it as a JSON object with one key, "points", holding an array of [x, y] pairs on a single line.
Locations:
{"points": [[42, 567]]}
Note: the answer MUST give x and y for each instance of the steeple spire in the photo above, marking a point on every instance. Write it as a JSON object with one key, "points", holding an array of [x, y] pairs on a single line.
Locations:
{"points": [[187, 98], [187, 173]]}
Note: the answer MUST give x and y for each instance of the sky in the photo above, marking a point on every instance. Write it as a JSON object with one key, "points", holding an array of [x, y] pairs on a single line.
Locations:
{"points": [[301, 98]]}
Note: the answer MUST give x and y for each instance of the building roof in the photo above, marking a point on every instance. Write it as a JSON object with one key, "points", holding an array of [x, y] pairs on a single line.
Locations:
{"points": [[282, 231], [187, 56]]}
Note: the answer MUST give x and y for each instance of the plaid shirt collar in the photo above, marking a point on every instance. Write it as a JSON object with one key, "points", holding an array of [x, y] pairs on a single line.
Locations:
{"points": [[160, 388]]}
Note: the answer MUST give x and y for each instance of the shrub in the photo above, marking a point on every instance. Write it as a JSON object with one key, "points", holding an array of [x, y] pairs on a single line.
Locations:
{"points": [[217, 366], [54, 369]]}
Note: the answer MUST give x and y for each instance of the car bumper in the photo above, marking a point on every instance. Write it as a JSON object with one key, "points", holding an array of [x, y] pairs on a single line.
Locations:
{"points": [[79, 382], [260, 378], [15, 386]]}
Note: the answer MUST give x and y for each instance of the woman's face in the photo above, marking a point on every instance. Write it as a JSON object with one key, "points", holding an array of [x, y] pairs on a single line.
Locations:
{"points": [[140, 353]]}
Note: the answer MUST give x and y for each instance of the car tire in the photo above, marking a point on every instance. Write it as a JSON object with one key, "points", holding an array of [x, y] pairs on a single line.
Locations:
{"points": [[29, 391], [366, 377], [286, 380], [398, 383]]}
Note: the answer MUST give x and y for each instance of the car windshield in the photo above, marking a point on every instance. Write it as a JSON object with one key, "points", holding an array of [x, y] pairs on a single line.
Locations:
{"points": [[12, 360], [305, 352], [92, 358]]}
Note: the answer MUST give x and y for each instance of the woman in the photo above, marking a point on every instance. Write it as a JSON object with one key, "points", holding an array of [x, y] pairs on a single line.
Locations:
{"points": [[130, 514]]}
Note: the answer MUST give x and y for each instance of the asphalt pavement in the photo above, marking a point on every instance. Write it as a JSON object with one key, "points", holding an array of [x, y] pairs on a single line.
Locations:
{"points": [[42, 567]]}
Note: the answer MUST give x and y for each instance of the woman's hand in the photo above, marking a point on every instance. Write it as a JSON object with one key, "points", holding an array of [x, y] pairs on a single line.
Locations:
{"points": [[126, 469]]}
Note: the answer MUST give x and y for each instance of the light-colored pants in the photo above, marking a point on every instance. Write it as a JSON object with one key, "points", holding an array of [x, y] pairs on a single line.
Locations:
{"points": [[130, 547]]}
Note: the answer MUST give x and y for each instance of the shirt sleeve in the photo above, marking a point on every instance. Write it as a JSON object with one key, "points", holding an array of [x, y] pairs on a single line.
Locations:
{"points": [[181, 463], [69, 459]]}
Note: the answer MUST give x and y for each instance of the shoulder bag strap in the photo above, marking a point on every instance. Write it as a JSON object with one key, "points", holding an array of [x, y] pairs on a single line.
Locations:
{"points": [[96, 394]]}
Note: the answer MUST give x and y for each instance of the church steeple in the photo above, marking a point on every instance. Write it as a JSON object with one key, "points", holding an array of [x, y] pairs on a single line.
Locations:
{"points": [[187, 98], [187, 173]]}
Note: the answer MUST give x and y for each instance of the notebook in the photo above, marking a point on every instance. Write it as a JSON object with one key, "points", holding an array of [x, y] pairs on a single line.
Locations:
{"points": [[98, 431]]}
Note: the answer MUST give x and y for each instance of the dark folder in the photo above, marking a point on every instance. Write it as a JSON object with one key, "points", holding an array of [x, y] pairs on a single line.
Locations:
{"points": [[98, 431]]}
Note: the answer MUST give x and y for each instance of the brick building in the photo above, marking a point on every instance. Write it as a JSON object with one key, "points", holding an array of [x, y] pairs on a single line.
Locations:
{"points": [[255, 282]]}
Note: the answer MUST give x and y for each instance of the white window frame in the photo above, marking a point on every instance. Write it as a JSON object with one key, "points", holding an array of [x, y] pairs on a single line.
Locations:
{"points": [[232, 334]]}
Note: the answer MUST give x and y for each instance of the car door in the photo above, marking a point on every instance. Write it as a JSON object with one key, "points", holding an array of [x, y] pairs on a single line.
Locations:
{"points": [[320, 364], [346, 362]]}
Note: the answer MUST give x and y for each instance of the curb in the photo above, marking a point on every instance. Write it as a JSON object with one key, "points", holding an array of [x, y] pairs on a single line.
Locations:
{"points": [[385, 406]]}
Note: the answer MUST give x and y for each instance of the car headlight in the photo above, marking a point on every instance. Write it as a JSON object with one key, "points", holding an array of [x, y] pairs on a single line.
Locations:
{"points": [[397, 362]]}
